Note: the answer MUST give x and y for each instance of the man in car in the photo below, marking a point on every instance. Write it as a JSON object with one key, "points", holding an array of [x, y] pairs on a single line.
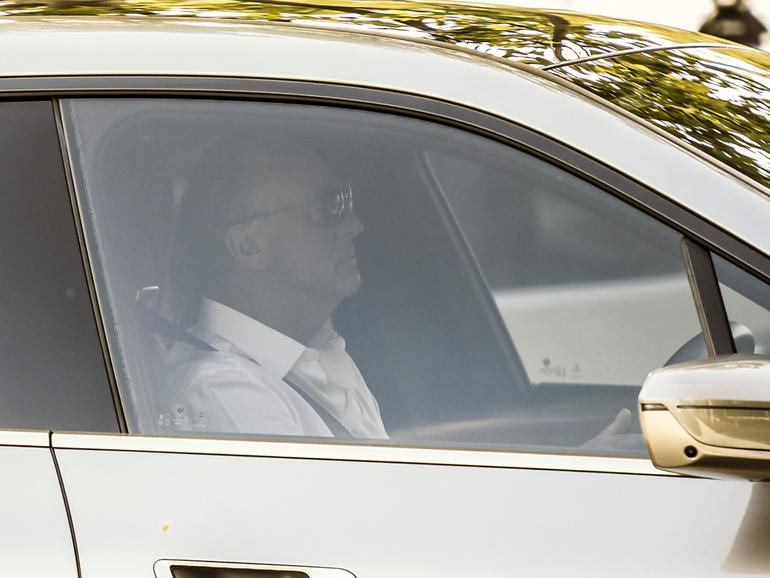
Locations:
{"points": [[270, 231]]}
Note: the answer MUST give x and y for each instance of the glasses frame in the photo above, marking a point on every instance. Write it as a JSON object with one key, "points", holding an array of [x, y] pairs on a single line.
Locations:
{"points": [[327, 217]]}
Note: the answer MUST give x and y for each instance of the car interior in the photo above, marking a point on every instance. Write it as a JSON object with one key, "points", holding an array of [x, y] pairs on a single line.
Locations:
{"points": [[453, 222]]}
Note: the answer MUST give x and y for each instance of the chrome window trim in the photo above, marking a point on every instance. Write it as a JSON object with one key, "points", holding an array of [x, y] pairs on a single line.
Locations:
{"points": [[315, 450], [25, 438]]}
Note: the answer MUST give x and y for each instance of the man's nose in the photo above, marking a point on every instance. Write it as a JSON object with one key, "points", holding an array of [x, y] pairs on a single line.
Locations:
{"points": [[351, 226]]}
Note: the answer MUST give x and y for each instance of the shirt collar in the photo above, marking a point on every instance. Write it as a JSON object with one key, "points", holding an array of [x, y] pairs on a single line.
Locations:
{"points": [[273, 350]]}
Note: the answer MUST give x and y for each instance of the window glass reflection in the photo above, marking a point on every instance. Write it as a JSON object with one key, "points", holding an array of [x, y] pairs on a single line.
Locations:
{"points": [[303, 271], [747, 302], [717, 100]]}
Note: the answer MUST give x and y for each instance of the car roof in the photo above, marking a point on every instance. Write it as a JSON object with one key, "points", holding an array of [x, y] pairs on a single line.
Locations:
{"points": [[530, 36], [661, 92]]}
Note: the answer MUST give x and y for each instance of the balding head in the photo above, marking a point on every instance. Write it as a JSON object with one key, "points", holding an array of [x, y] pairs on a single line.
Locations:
{"points": [[239, 177], [254, 228]]}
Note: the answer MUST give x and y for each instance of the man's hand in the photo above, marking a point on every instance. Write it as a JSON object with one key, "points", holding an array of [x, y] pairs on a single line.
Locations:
{"points": [[616, 436]]}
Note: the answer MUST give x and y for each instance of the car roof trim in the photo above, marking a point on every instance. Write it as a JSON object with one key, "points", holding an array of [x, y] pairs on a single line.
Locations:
{"points": [[643, 50]]}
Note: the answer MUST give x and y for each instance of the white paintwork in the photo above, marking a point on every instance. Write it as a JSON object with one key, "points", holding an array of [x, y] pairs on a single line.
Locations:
{"points": [[29, 438], [188, 47], [386, 520], [349, 452], [383, 512], [35, 539], [742, 378]]}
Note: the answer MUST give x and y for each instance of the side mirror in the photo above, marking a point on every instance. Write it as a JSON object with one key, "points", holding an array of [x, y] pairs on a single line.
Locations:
{"points": [[710, 418]]}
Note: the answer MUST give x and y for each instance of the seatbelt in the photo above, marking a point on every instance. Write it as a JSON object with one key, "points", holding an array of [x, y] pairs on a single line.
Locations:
{"points": [[158, 324], [335, 426]]}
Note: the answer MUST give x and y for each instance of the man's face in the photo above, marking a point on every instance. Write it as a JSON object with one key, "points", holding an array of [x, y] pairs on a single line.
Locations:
{"points": [[316, 260]]}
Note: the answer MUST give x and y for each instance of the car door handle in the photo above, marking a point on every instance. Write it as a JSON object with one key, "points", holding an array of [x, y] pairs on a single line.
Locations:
{"points": [[210, 569]]}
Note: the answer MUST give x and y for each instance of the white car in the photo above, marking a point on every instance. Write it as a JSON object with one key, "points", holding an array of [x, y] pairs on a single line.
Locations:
{"points": [[372, 289]]}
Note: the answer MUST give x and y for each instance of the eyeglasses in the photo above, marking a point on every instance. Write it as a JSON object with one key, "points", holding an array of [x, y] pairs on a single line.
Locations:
{"points": [[328, 210]]}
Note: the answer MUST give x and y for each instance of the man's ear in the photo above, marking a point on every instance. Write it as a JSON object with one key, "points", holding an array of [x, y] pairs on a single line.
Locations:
{"points": [[243, 243]]}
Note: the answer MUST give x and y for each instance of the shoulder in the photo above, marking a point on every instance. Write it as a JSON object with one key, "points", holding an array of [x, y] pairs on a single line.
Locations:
{"points": [[188, 367], [231, 393]]}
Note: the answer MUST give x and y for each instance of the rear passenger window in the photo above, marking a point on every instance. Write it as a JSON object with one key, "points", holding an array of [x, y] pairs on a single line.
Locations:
{"points": [[292, 270], [52, 374]]}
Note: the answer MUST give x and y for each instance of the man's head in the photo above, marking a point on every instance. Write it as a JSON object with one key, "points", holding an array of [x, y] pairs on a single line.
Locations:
{"points": [[273, 218]]}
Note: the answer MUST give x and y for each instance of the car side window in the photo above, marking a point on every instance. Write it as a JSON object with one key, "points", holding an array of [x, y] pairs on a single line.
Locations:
{"points": [[592, 290], [747, 303], [52, 374], [275, 269]]}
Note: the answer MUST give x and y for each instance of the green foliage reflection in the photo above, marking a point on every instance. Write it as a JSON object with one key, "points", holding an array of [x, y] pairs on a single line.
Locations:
{"points": [[525, 35], [717, 100]]}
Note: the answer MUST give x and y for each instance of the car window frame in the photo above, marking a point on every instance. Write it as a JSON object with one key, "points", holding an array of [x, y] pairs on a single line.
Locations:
{"points": [[703, 236]]}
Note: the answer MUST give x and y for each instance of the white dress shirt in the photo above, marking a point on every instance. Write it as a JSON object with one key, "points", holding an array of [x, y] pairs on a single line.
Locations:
{"points": [[240, 387]]}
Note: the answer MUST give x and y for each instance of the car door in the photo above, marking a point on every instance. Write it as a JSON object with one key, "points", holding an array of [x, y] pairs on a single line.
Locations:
{"points": [[52, 373], [513, 295]]}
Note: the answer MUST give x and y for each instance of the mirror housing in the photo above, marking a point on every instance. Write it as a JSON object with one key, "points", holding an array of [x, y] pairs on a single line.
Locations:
{"points": [[709, 418]]}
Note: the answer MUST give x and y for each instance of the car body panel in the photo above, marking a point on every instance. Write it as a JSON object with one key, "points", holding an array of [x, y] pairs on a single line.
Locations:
{"points": [[371, 510], [727, 110], [537, 101], [34, 529], [382, 520]]}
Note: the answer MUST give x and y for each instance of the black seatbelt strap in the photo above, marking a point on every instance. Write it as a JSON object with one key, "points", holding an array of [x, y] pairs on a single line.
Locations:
{"points": [[158, 324]]}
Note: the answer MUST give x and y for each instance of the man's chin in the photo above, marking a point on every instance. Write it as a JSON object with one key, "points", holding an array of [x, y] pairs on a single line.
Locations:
{"points": [[350, 285]]}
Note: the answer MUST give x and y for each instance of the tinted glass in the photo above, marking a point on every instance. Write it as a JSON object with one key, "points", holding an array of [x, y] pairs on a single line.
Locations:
{"points": [[581, 279], [480, 296], [717, 100], [51, 369], [747, 302]]}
